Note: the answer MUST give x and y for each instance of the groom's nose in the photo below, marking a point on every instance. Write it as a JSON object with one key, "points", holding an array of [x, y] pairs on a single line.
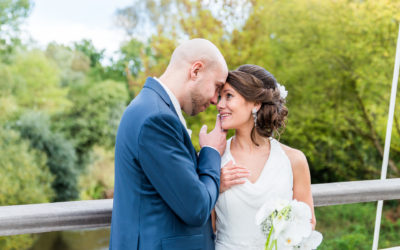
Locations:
{"points": [[214, 99]]}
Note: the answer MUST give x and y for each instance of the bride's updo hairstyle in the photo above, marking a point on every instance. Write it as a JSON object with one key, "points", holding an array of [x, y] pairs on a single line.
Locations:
{"points": [[257, 85]]}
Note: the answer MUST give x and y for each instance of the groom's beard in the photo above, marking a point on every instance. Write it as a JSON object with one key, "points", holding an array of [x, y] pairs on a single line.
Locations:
{"points": [[199, 104]]}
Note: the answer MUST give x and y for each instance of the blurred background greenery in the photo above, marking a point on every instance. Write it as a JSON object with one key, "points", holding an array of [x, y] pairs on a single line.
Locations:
{"points": [[60, 106]]}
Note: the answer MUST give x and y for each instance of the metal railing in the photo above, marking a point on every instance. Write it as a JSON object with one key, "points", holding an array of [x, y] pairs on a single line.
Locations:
{"points": [[73, 215]]}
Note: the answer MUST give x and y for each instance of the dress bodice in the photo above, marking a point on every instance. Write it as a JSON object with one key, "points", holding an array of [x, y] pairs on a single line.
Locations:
{"points": [[236, 208]]}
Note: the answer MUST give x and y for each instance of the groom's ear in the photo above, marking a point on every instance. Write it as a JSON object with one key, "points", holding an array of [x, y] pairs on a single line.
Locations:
{"points": [[195, 69]]}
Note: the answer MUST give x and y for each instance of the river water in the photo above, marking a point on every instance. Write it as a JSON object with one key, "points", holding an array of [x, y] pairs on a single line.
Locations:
{"points": [[97, 239]]}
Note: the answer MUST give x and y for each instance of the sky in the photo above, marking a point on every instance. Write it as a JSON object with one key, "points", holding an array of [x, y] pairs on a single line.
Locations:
{"points": [[66, 21]]}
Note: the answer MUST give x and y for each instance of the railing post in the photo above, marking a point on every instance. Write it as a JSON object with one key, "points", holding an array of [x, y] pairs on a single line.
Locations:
{"points": [[387, 140]]}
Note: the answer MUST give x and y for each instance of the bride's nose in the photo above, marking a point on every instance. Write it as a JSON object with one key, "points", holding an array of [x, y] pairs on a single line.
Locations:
{"points": [[220, 104]]}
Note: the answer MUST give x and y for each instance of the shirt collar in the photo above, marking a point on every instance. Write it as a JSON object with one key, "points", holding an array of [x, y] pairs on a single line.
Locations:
{"points": [[175, 103]]}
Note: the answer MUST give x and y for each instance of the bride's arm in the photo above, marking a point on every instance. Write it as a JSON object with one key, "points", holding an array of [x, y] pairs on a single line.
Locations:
{"points": [[301, 179]]}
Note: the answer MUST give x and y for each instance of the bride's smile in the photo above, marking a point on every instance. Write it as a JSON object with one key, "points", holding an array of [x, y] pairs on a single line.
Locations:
{"points": [[234, 110]]}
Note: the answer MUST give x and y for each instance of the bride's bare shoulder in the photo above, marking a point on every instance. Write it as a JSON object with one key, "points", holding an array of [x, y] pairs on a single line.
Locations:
{"points": [[297, 158]]}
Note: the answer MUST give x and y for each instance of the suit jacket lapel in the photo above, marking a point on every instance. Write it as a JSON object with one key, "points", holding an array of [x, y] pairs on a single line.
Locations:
{"points": [[151, 83], [155, 85]]}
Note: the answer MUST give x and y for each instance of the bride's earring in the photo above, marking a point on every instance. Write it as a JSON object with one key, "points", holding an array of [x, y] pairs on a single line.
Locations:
{"points": [[254, 113]]}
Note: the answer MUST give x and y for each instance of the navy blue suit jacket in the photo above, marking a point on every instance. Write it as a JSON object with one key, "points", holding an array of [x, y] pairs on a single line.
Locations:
{"points": [[164, 192]]}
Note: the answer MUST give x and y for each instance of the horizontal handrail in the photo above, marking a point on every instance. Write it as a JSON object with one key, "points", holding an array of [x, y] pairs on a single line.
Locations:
{"points": [[57, 216], [335, 193], [60, 216]]}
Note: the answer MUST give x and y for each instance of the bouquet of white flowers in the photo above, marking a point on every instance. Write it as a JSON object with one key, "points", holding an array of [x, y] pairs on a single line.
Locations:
{"points": [[287, 225]]}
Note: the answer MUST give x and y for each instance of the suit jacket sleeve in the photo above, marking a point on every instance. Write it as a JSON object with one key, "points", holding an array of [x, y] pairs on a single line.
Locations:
{"points": [[189, 190]]}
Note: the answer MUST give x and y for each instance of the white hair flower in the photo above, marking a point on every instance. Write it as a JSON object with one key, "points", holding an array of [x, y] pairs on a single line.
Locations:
{"points": [[283, 92]]}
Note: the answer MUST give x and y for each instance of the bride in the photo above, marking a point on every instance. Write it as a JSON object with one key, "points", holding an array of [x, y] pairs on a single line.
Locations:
{"points": [[256, 167]]}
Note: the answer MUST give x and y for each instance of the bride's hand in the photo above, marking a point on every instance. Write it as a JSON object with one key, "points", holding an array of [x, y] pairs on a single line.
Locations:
{"points": [[232, 175]]}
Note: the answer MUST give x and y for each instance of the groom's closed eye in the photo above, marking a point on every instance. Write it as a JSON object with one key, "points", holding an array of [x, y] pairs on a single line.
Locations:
{"points": [[219, 86]]}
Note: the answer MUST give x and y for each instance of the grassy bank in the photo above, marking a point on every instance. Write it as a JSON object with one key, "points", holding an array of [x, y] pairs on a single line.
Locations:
{"points": [[352, 226]]}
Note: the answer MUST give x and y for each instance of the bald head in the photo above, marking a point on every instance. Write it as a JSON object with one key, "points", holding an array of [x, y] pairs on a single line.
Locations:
{"points": [[195, 73], [197, 50]]}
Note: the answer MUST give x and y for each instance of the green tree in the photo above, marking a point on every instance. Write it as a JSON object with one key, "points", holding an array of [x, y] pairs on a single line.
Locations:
{"points": [[12, 13], [96, 72], [24, 179], [94, 117], [333, 56], [73, 65], [87, 48], [34, 82], [128, 64], [61, 158]]}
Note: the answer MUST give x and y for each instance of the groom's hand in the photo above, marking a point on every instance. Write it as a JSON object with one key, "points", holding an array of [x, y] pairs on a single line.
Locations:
{"points": [[216, 138]]}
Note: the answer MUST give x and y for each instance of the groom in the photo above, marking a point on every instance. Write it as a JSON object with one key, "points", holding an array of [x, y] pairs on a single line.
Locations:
{"points": [[164, 191]]}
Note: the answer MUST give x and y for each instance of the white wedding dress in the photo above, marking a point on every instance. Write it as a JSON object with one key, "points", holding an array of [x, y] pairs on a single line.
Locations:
{"points": [[236, 208]]}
